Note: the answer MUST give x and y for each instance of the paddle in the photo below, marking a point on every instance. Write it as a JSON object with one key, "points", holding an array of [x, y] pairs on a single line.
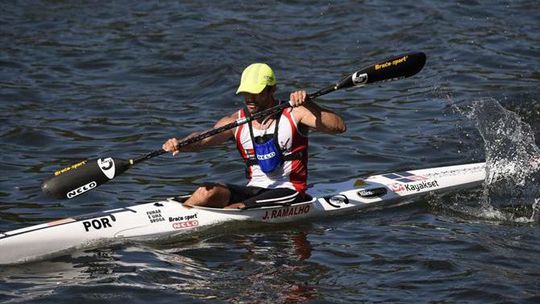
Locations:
{"points": [[88, 174]]}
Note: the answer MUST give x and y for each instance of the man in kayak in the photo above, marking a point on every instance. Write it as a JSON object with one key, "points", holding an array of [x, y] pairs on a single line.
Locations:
{"points": [[275, 148]]}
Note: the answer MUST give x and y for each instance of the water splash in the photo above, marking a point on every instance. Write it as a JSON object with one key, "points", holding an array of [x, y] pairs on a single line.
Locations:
{"points": [[512, 158]]}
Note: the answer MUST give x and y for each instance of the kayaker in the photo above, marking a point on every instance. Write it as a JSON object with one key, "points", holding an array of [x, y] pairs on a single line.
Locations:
{"points": [[276, 167]]}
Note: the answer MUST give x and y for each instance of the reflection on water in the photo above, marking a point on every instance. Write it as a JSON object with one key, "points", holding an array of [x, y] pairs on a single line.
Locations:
{"points": [[250, 267], [259, 266]]}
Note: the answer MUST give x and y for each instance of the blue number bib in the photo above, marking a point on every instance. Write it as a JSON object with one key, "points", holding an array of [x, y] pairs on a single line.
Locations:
{"points": [[268, 155], [267, 151]]}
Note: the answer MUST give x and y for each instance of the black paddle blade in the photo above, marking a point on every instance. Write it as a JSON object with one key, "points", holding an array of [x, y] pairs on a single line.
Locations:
{"points": [[82, 177], [391, 69]]}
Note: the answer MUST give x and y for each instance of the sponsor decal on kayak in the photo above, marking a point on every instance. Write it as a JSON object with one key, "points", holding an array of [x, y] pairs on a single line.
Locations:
{"points": [[359, 183], [337, 200], [82, 189], [60, 222], [184, 221], [414, 187], [185, 224], [286, 212], [99, 223], [155, 216], [405, 177], [107, 167], [374, 192], [182, 218], [75, 166]]}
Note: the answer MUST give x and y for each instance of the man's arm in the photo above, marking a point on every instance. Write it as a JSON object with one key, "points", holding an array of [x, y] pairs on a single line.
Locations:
{"points": [[171, 145], [312, 115]]}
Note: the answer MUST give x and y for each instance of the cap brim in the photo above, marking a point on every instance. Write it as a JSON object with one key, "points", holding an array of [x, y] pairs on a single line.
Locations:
{"points": [[252, 89]]}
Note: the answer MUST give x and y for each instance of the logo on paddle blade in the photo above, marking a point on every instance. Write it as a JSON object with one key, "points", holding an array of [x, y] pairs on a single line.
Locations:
{"points": [[75, 166], [82, 189], [359, 79], [107, 167]]}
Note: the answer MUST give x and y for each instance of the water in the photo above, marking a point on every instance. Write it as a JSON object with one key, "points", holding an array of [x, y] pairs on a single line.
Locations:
{"points": [[84, 79]]}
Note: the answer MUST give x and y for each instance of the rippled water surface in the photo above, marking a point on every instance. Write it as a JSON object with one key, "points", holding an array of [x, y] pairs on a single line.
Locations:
{"points": [[82, 79]]}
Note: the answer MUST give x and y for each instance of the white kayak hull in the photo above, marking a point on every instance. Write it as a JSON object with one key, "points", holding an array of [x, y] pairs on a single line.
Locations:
{"points": [[169, 217]]}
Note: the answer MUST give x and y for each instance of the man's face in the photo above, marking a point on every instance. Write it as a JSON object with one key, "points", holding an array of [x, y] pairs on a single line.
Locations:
{"points": [[259, 102]]}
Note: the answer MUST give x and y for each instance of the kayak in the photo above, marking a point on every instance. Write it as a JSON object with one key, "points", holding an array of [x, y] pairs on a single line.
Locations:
{"points": [[169, 217]]}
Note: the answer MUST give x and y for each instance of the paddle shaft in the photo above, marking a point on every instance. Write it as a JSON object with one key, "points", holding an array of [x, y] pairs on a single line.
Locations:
{"points": [[391, 69], [236, 123], [87, 175]]}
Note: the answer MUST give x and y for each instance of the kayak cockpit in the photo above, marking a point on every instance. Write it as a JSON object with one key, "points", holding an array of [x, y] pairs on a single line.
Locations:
{"points": [[307, 199]]}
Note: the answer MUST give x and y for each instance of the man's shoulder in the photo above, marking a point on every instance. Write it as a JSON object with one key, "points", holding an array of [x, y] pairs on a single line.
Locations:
{"points": [[233, 115], [228, 118]]}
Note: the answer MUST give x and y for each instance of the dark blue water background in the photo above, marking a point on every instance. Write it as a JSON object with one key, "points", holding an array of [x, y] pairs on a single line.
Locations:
{"points": [[81, 79]]}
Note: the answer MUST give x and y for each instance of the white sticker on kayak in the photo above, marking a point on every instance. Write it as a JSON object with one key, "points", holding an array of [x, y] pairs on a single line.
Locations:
{"points": [[107, 166]]}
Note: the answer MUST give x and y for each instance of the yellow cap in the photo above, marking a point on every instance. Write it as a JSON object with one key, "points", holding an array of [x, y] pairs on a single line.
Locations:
{"points": [[255, 78]]}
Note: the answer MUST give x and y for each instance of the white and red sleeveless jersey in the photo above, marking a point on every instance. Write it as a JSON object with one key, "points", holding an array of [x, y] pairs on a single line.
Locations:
{"points": [[293, 174]]}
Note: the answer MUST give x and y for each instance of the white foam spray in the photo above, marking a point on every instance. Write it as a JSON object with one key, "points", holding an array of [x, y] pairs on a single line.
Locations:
{"points": [[512, 158]]}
